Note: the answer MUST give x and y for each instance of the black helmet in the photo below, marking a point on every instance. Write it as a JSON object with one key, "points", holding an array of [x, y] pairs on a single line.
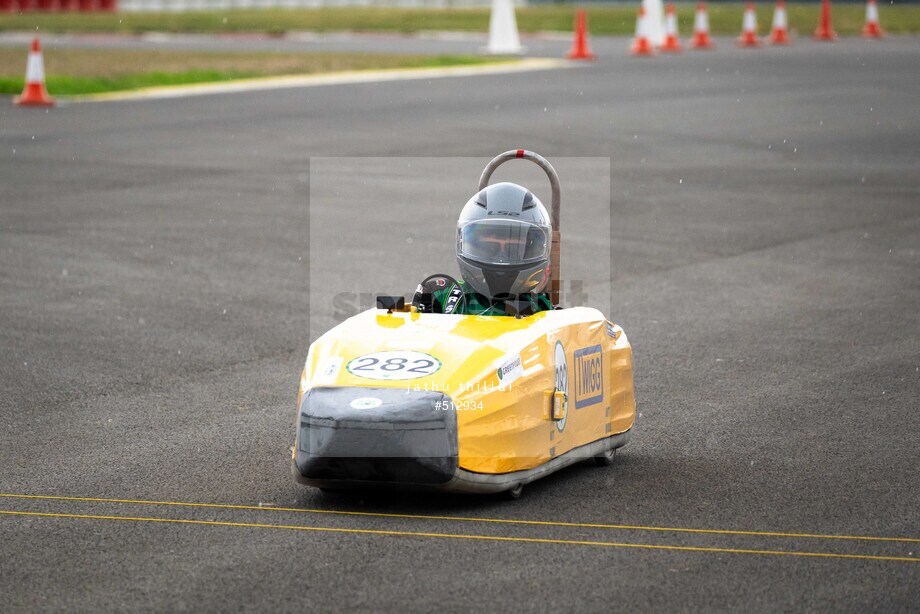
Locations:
{"points": [[504, 241]]}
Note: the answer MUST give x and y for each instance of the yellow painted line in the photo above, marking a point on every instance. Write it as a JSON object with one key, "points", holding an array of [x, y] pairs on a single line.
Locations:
{"points": [[528, 540], [546, 523], [330, 78]]}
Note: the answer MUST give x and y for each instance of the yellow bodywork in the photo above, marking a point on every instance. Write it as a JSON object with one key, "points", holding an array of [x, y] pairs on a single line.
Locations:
{"points": [[504, 424]]}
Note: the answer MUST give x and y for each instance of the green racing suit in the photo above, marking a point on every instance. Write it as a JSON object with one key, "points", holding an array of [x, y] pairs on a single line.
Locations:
{"points": [[480, 305]]}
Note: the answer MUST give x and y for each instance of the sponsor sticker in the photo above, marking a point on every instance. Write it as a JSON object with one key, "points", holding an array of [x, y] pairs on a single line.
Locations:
{"points": [[611, 331], [562, 382], [589, 376], [394, 365], [510, 371], [453, 299], [366, 403], [329, 368]]}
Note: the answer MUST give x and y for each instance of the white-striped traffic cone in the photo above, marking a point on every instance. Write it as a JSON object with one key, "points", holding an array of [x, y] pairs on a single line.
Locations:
{"points": [[654, 21], [34, 93], [779, 34], [641, 44], [748, 36], [701, 38], [872, 29], [671, 41]]}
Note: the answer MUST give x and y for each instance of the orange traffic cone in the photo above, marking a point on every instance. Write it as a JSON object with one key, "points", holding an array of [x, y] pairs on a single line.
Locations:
{"points": [[701, 39], [641, 44], [748, 36], [779, 35], [825, 31], [580, 49], [34, 93], [872, 29], [671, 41]]}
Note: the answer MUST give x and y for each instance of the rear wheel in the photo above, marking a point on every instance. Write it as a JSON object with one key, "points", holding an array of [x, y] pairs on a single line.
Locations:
{"points": [[606, 458]]}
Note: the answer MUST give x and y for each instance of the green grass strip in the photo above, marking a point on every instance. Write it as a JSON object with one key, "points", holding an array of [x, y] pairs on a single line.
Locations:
{"points": [[620, 19], [73, 86]]}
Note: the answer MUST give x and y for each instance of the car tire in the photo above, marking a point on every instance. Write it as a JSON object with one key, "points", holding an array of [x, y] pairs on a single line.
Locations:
{"points": [[605, 459]]}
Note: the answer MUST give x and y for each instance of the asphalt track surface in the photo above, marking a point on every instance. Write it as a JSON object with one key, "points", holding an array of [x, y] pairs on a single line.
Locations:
{"points": [[765, 224]]}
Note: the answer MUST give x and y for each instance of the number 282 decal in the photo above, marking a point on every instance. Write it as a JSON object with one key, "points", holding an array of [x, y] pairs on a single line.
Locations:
{"points": [[394, 365]]}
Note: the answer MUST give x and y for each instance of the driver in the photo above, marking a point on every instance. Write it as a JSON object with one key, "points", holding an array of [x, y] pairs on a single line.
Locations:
{"points": [[503, 250]]}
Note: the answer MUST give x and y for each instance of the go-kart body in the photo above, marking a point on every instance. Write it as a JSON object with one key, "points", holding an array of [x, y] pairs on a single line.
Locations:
{"points": [[462, 403], [402, 397]]}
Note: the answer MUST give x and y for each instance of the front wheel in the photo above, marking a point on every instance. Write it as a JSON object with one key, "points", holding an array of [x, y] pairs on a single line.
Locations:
{"points": [[606, 458]]}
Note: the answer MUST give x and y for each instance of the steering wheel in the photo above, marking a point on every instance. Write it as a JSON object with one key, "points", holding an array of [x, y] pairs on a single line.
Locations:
{"points": [[423, 299]]}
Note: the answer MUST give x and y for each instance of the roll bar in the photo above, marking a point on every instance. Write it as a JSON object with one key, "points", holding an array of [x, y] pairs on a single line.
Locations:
{"points": [[556, 253]]}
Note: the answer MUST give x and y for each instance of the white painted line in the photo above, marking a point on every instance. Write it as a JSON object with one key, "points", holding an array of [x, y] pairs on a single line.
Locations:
{"points": [[333, 78]]}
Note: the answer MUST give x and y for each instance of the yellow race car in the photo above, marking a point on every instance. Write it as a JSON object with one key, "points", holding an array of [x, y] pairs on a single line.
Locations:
{"points": [[403, 398]]}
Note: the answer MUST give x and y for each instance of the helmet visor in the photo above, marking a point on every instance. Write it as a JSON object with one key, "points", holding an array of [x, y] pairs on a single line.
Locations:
{"points": [[503, 241]]}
